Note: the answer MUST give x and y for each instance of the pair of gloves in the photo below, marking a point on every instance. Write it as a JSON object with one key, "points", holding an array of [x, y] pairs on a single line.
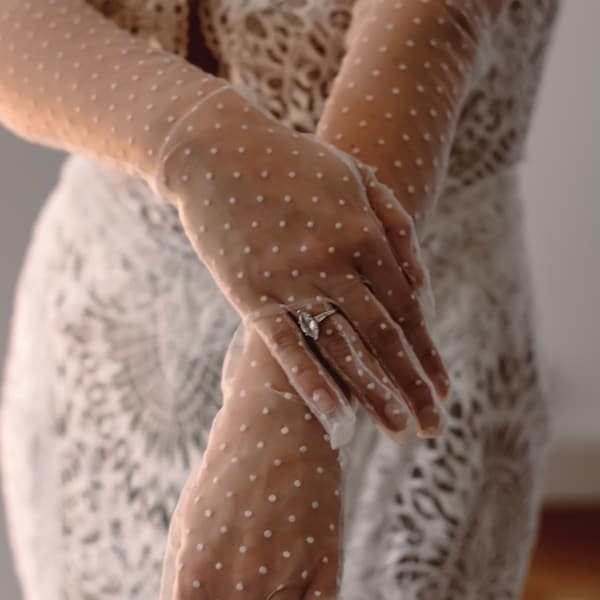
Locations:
{"points": [[283, 221], [287, 221]]}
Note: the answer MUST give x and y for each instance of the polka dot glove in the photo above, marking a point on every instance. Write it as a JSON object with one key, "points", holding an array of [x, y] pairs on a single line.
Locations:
{"points": [[285, 221], [282, 220], [402, 83], [262, 516]]}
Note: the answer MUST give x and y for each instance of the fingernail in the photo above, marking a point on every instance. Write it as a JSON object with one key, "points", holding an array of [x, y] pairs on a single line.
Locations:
{"points": [[324, 400], [442, 385], [397, 415], [340, 427], [429, 421]]}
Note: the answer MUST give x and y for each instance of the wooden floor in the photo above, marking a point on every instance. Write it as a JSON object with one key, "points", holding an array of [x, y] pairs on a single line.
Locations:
{"points": [[566, 561]]}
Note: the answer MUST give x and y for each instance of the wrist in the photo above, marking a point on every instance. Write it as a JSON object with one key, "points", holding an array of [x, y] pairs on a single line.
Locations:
{"points": [[415, 195], [186, 145], [173, 126], [255, 388]]}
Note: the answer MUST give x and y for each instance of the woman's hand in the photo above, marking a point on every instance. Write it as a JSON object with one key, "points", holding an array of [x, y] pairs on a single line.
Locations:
{"points": [[284, 221], [263, 512]]}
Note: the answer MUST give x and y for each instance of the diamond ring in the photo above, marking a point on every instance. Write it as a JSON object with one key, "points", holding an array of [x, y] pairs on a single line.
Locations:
{"points": [[309, 324]]}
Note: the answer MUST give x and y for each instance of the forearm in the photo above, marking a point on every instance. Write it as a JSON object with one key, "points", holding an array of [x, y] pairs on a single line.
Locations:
{"points": [[71, 79], [263, 512], [397, 97]]}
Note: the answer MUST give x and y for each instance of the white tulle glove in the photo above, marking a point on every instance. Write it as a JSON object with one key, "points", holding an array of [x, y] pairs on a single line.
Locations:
{"points": [[394, 105], [289, 220], [285, 221], [281, 219], [402, 84], [262, 516]]}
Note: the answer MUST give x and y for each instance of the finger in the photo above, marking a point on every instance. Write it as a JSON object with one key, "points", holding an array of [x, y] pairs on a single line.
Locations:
{"points": [[398, 226], [402, 236], [401, 233], [382, 274], [288, 345], [343, 350], [387, 340]]}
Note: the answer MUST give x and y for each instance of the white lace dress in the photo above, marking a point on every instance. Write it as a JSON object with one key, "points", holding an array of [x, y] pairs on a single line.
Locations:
{"points": [[125, 333]]}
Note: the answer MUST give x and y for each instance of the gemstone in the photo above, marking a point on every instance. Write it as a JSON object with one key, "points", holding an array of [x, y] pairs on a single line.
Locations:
{"points": [[308, 325]]}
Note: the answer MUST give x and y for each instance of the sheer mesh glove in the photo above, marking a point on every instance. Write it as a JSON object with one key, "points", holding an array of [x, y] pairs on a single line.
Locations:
{"points": [[394, 104], [275, 215], [408, 69], [284, 222], [72, 79], [262, 516]]}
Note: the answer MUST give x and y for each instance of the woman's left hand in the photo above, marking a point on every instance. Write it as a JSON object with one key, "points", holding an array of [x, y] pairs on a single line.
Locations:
{"points": [[261, 517]]}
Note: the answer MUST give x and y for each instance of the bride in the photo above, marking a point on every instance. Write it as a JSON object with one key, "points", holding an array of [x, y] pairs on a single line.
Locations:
{"points": [[272, 336]]}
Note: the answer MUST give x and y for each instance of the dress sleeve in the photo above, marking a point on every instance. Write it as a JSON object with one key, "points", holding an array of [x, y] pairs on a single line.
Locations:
{"points": [[397, 97], [74, 80]]}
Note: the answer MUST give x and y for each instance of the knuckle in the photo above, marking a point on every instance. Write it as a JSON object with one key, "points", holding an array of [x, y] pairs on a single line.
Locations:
{"points": [[414, 329], [336, 344], [418, 391], [288, 346], [409, 315], [415, 272], [384, 336], [319, 252], [367, 236], [304, 372], [281, 337]]}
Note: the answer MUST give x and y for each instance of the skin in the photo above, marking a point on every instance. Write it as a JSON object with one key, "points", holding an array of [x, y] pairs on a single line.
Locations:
{"points": [[68, 125], [333, 122], [315, 504]]}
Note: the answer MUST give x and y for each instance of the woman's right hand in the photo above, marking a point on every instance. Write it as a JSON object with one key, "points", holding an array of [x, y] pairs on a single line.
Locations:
{"points": [[283, 220]]}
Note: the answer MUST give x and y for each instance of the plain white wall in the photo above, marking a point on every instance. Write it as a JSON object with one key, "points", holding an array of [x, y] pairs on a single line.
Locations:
{"points": [[561, 178], [27, 173], [561, 182]]}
